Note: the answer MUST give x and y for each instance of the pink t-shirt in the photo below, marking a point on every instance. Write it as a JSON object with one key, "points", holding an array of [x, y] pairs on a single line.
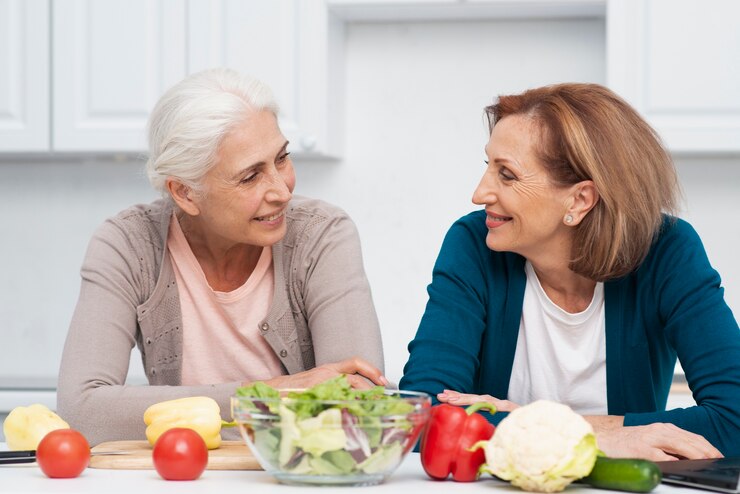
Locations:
{"points": [[221, 337]]}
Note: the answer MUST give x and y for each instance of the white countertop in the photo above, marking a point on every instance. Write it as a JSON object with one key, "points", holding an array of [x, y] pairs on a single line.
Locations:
{"points": [[409, 478]]}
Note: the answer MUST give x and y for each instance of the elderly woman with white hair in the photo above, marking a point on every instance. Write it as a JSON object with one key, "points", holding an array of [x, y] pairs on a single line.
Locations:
{"points": [[227, 280]]}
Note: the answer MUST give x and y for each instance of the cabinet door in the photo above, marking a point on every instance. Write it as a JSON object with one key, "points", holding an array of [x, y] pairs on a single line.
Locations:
{"points": [[112, 61], [678, 62], [24, 75], [284, 43]]}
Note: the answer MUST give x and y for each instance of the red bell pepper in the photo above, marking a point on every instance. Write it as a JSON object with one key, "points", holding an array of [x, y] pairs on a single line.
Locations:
{"points": [[449, 435]]}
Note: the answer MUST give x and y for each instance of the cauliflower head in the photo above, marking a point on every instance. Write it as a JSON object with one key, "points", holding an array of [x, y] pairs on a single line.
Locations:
{"points": [[542, 447]]}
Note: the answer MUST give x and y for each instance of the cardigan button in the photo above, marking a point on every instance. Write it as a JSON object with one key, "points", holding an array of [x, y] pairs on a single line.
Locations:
{"points": [[265, 326], [148, 341], [283, 353], [153, 371]]}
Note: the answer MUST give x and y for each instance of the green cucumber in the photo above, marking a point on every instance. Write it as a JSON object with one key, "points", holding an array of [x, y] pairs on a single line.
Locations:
{"points": [[624, 474]]}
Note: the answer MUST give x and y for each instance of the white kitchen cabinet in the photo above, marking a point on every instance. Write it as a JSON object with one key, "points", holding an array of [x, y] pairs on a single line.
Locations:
{"points": [[284, 43], [475, 10], [24, 75], [678, 63], [112, 61]]}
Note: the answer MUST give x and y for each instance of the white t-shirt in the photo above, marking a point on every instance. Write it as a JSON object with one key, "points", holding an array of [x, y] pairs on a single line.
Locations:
{"points": [[560, 356]]}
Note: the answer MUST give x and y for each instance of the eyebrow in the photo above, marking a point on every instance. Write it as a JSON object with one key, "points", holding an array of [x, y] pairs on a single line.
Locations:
{"points": [[249, 168], [507, 161]]}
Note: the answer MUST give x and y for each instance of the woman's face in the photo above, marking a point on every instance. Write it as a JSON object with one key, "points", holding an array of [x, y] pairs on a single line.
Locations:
{"points": [[524, 209], [248, 190]]}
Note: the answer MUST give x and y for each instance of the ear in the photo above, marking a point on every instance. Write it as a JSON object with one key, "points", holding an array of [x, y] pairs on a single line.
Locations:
{"points": [[183, 196], [582, 200]]}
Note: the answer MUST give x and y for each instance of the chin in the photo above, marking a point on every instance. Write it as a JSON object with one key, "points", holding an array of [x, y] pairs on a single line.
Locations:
{"points": [[496, 244], [271, 238]]}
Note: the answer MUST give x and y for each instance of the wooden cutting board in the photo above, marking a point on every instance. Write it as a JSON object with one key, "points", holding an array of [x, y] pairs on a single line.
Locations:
{"points": [[231, 455]]}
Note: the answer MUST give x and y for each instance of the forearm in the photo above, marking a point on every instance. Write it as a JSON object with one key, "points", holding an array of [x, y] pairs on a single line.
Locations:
{"points": [[602, 423], [115, 412]]}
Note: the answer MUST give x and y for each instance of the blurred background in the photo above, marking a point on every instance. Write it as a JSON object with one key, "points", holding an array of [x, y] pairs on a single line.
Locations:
{"points": [[382, 101]]}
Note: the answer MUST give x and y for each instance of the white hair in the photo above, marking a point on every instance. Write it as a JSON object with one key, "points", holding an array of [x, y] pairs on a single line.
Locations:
{"points": [[189, 121]]}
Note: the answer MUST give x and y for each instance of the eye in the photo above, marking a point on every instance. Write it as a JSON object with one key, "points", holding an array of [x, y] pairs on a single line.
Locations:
{"points": [[505, 174], [283, 158], [249, 178]]}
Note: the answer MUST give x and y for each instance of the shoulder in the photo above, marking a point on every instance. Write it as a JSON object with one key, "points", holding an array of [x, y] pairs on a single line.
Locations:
{"points": [[147, 223], [677, 262], [466, 239], [308, 217], [674, 228], [472, 226], [675, 241], [303, 209], [469, 232]]}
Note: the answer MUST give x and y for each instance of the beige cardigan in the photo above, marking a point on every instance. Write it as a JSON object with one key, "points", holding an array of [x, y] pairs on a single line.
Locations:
{"points": [[322, 311]]}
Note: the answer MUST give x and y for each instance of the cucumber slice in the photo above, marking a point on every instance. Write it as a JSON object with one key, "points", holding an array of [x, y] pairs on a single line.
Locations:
{"points": [[624, 474]]}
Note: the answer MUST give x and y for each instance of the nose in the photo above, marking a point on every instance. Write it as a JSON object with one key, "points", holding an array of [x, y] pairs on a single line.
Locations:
{"points": [[484, 193], [279, 189]]}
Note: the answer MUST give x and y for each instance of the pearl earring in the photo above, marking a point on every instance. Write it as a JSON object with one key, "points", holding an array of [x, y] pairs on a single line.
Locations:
{"points": [[569, 218]]}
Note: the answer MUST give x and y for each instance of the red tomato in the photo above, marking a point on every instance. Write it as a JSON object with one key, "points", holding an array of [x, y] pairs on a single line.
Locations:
{"points": [[180, 454], [63, 454]]}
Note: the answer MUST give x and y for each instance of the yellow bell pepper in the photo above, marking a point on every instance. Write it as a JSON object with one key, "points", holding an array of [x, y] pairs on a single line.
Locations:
{"points": [[25, 427], [200, 413]]}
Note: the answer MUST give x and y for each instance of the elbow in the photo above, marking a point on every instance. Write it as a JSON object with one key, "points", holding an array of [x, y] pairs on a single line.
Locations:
{"points": [[93, 412]]}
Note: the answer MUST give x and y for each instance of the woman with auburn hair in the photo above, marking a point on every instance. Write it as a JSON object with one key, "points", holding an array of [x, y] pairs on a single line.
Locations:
{"points": [[575, 284]]}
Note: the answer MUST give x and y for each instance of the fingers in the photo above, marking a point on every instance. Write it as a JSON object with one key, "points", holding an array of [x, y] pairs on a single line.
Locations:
{"points": [[357, 365], [656, 442], [299, 380], [447, 395], [682, 443], [657, 454], [360, 373], [358, 382], [464, 399]]}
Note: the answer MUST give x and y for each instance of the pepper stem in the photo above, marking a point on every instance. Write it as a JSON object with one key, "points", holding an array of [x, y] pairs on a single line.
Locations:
{"points": [[479, 406], [228, 424]]}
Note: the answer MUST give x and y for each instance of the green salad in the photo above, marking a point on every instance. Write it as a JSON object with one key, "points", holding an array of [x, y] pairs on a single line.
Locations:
{"points": [[329, 429]]}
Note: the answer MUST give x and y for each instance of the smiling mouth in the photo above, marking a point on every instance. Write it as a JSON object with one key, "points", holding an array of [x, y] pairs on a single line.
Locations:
{"points": [[499, 218], [270, 218]]}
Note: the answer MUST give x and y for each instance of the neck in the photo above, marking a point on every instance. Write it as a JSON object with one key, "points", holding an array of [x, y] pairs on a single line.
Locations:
{"points": [[226, 265], [568, 290]]}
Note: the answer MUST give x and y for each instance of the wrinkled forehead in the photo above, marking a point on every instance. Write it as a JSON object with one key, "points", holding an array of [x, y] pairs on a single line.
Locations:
{"points": [[520, 132]]}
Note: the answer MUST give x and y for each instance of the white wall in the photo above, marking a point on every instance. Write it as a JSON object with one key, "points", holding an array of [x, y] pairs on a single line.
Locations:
{"points": [[414, 151], [49, 211]]}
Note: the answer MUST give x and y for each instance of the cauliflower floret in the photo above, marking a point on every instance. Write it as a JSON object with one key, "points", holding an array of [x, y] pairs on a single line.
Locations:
{"points": [[542, 447]]}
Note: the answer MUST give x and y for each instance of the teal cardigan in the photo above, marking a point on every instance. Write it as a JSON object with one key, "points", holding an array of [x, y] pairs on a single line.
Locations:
{"points": [[671, 306]]}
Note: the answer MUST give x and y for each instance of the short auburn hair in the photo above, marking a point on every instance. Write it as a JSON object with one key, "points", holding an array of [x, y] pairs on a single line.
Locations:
{"points": [[590, 133]]}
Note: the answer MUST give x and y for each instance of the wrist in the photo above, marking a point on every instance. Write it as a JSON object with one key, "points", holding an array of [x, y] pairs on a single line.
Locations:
{"points": [[602, 423]]}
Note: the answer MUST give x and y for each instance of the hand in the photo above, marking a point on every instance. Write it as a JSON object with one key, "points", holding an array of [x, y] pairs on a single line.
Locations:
{"points": [[462, 399], [656, 442], [360, 374]]}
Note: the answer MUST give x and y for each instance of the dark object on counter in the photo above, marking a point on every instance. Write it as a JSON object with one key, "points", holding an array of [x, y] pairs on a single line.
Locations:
{"points": [[11, 457], [721, 474]]}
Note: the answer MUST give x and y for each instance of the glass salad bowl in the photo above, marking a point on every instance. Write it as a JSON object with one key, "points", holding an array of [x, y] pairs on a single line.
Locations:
{"points": [[310, 437]]}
